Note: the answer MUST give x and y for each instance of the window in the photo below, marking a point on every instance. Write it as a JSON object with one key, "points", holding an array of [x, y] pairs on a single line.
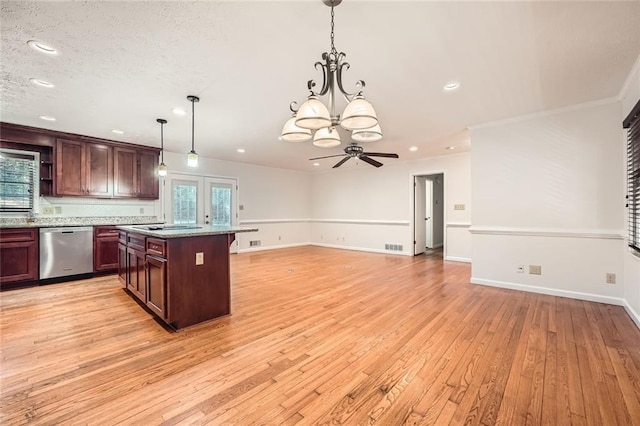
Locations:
{"points": [[221, 204], [632, 122], [185, 202], [19, 179]]}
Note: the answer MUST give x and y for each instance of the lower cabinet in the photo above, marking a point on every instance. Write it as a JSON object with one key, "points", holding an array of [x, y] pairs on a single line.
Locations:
{"points": [[136, 280], [122, 263], [156, 285], [18, 256], [105, 249]]}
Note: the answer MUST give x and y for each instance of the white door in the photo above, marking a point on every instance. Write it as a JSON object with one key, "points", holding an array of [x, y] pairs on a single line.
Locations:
{"points": [[428, 213], [183, 199], [220, 203], [419, 215]]}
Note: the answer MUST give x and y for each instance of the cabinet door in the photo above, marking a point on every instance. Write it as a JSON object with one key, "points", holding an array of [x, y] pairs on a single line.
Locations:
{"points": [[105, 254], [99, 169], [122, 264], [125, 172], [156, 285], [70, 167], [18, 261], [148, 174], [135, 274]]}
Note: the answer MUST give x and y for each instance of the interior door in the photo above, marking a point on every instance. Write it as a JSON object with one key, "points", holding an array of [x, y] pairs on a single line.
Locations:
{"points": [[220, 203], [183, 199], [419, 215], [428, 213]]}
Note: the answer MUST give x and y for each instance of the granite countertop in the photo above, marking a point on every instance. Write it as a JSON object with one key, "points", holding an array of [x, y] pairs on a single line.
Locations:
{"points": [[57, 222], [180, 231]]}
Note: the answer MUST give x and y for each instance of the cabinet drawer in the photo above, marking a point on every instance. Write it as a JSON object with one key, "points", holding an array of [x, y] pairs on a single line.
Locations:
{"points": [[156, 247], [16, 235], [105, 231], [136, 241]]}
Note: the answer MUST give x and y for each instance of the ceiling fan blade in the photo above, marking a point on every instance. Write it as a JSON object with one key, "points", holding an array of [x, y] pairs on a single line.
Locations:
{"points": [[328, 156], [370, 161], [380, 154], [341, 162]]}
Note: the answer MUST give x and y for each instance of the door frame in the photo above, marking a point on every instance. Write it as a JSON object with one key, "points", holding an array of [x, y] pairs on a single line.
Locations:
{"points": [[412, 207]]}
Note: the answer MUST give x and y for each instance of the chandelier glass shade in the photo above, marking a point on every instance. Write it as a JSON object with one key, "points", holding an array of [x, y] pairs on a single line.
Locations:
{"points": [[359, 115]]}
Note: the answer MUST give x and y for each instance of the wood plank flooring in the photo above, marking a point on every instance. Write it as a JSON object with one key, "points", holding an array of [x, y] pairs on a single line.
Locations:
{"points": [[321, 336]]}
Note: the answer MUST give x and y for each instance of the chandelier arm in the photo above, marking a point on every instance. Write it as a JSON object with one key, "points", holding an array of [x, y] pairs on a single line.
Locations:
{"points": [[326, 74], [292, 107]]}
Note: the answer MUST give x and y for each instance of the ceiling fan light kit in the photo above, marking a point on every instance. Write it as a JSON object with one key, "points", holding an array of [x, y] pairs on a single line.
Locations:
{"points": [[313, 114]]}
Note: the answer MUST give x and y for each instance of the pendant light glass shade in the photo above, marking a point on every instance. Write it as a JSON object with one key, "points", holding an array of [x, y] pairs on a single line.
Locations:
{"points": [[192, 159], [359, 114], [372, 134], [293, 133], [326, 137], [162, 169], [313, 114]]}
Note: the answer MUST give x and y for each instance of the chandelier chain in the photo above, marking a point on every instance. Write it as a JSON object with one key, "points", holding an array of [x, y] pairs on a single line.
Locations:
{"points": [[333, 47]]}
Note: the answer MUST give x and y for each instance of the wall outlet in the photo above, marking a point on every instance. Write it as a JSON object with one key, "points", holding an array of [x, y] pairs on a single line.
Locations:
{"points": [[611, 278], [279, 237], [58, 210], [47, 210], [458, 206], [241, 207], [200, 258], [520, 269], [141, 210], [535, 269]]}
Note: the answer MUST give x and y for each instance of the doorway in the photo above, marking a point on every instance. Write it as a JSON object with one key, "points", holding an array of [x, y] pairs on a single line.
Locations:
{"points": [[191, 199], [428, 203]]}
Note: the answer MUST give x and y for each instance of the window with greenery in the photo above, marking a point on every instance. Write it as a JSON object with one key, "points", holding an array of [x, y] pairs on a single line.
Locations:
{"points": [[221, 205], [18, 180], [632, 123], [185, 202]]}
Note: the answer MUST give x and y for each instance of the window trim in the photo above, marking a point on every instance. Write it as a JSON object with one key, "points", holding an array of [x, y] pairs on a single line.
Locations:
{"points": [[36, 183]]}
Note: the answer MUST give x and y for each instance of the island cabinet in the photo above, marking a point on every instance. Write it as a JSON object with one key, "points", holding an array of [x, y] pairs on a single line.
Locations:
{"points": [[182, 280], [18, 256]]}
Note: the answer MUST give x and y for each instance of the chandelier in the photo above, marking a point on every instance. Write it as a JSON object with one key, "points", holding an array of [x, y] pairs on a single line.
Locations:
{"points": [[359, 116]]}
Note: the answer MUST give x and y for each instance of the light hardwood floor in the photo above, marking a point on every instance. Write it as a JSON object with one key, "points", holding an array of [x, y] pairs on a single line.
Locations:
{"points": [[321, 336]]}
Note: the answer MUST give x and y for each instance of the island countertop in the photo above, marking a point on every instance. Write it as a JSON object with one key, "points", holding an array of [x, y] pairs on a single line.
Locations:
{"points": [[181, 231]]}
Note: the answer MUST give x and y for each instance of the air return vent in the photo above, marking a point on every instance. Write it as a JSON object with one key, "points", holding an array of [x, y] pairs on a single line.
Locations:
{"points": [[393, 247], [254, 243]]}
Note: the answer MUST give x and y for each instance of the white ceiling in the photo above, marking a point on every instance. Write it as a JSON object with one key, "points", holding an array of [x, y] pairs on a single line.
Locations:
{"points": [[124, 64]]}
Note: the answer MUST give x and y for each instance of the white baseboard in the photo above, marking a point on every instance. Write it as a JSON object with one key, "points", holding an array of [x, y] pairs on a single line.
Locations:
{"points": [[635, 317], [552, 291], [369, 250], [263, 248], [458, 259]]}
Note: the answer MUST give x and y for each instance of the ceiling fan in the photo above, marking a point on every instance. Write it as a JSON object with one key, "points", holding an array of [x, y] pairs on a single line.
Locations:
{"points": [[354, 150]]}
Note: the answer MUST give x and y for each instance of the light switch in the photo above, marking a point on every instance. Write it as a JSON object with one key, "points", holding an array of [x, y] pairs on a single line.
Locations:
{"points": [[199, 258]]}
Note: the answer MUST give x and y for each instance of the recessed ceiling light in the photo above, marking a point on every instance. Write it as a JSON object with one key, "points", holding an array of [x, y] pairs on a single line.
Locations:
{"points": [[413, 148], [41, 47], [118, 132], [41, 83], [316, 164], [179, 111], [240, 150], [47, 118], [451, 147], [452, 85]]}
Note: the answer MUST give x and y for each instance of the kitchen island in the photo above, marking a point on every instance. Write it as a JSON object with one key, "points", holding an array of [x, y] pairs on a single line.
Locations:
{"points": [[180, 273]]}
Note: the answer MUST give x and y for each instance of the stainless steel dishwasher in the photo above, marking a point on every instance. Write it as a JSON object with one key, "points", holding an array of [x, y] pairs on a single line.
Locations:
{"points": [[66, 251]]}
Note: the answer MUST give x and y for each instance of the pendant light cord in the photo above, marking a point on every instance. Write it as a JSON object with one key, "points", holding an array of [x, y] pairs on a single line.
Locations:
{"points": [[161, 143]]}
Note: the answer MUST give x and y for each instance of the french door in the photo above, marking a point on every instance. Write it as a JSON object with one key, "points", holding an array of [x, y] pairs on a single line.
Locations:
{"points": [[190, 199]]}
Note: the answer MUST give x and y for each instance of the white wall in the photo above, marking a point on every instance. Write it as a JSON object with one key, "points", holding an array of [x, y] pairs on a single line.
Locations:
{"points": [[275, 201], [547, 191], [365, 208], [630, 95], [437, 212]]}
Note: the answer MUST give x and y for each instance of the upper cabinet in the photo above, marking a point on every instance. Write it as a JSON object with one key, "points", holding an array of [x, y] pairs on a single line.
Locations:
{"points": [[135, 173], [84, 169]]}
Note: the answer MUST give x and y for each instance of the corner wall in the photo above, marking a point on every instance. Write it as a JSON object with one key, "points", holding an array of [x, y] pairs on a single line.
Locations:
{"points": [[546, 191]]}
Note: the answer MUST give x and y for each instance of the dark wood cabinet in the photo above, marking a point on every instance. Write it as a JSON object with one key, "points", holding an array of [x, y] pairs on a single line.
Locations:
{"points": [[122, 263], [83, 169], [105, 249], [156, 285], [18, 256], [135, 173], [136, 280]]}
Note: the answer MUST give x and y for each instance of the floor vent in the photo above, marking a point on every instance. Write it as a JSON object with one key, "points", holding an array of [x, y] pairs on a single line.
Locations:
{"points": [[393, 247], [254, 243]]}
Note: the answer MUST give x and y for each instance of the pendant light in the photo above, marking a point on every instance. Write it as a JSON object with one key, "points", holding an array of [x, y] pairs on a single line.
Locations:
{"points": [[192, 157], [162, 168]]}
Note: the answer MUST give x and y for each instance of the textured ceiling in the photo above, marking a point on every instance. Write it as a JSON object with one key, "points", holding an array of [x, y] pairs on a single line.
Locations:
{"points": [[124, 64]]}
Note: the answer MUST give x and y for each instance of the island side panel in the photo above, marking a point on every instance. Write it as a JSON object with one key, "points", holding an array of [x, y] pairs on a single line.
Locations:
{"points": [[197, 293]]}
